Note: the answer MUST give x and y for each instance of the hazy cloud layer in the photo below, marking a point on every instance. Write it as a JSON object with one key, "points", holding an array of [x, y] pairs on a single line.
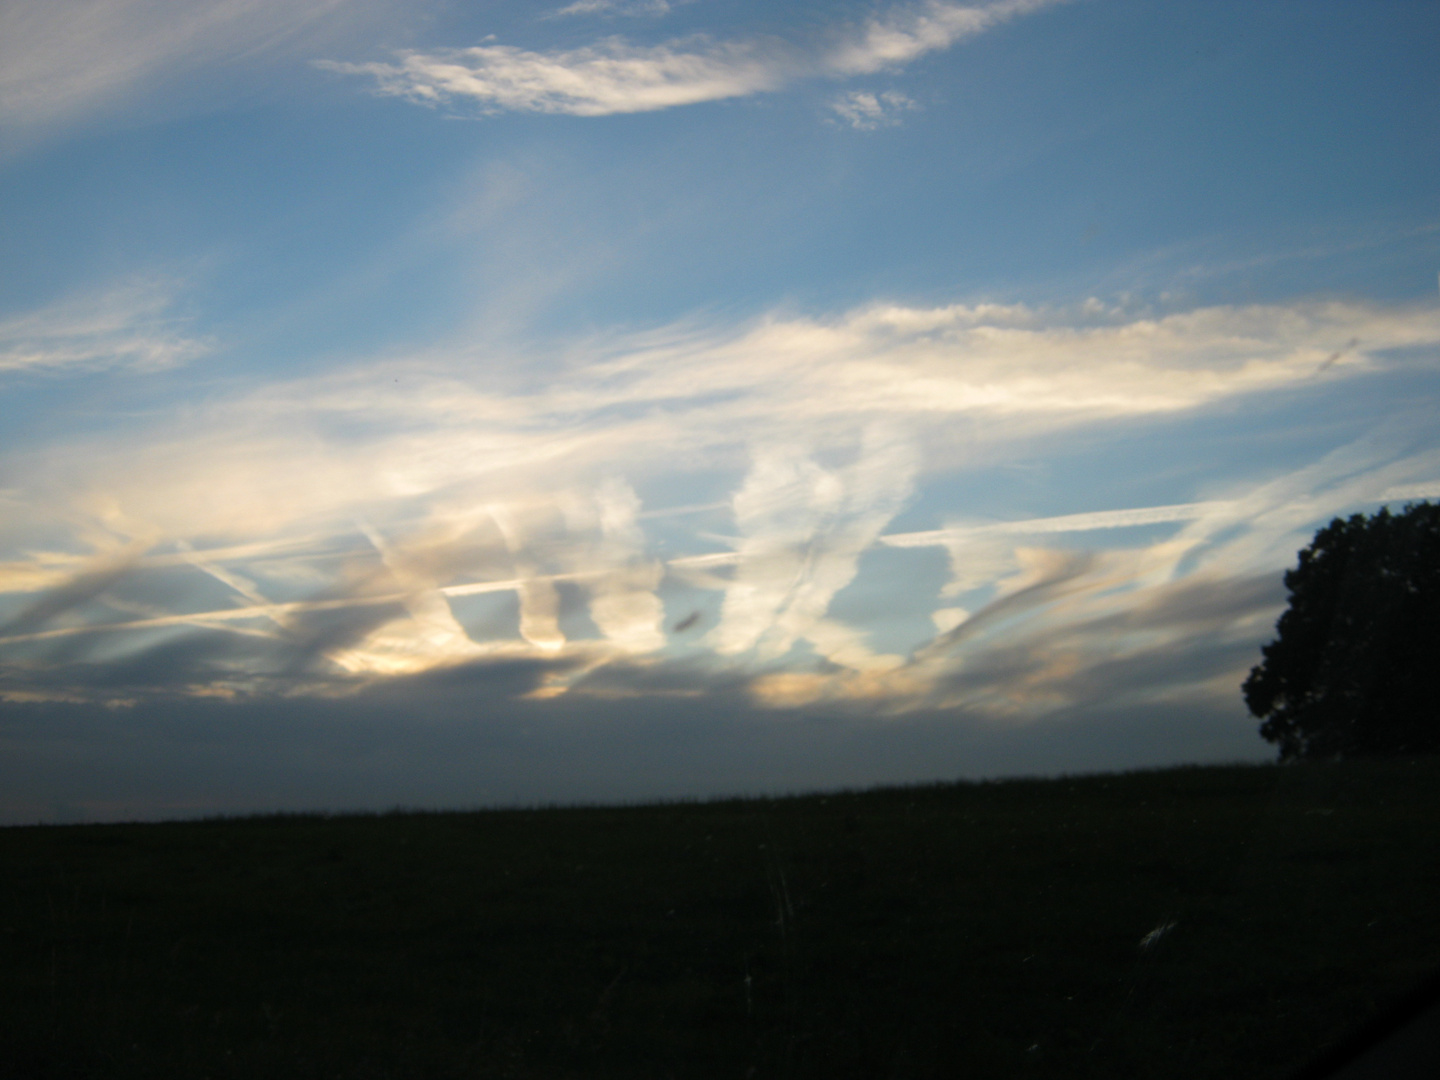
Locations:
{"points": [[466, 511], [472, 743], [614, 75], [63, 58]]}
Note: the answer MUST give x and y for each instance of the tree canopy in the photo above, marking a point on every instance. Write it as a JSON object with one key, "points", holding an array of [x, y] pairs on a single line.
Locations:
{"points": [[1353, 670]]}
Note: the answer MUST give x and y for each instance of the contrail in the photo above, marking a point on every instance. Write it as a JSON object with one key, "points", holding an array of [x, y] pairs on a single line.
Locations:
{"points": [[1103, 519], [276, 610]]}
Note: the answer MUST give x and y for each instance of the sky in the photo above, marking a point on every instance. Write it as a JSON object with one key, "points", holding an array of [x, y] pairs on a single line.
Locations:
{"points": [[445, 404]]}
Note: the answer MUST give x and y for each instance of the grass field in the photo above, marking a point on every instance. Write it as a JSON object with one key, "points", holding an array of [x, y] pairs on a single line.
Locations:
{"points": [[957, 930]]}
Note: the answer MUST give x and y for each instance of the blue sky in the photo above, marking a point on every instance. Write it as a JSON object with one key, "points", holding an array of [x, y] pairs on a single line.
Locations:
{"points": [[650, 398]]}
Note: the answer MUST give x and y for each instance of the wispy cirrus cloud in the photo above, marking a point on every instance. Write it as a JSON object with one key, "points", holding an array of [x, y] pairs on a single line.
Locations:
{"points": [[462, 509], [867, 111], [607, 403], [617, 76], [128, 326]]}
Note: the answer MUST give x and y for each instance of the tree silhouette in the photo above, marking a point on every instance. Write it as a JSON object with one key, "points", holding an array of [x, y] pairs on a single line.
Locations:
{"points": [[1352, 672]]}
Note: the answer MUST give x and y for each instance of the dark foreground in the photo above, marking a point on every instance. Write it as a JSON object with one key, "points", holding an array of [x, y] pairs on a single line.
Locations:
{"points": [[959, 930]]}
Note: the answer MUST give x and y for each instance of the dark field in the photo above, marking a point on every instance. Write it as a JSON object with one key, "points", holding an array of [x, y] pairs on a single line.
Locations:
{"points": [[960, 930]]}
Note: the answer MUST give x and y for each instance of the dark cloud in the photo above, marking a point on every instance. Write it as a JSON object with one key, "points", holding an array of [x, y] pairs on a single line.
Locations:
{"points": [[476, 680], [83, 587], [666, 679], [1065, 569], [169, 666], [193, 657], [312, 634], [265, 671], [1161, 668], [1200, 605], [1192, 639]]}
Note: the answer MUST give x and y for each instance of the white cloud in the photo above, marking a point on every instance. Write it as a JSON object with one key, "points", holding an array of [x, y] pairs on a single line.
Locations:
{"points": [[908, 32], [609, 77], [804, 528], [866, 111], [434, 423], [128, 326], [1408, 492], [614, 7], [617, 76], [623, 603]]}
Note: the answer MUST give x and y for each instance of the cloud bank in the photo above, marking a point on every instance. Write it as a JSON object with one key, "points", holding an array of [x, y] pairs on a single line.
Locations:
{"points": [[617, 76], [463, 511]]}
